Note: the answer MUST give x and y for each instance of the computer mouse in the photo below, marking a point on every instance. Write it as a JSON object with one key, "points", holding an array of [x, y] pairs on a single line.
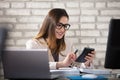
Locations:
{"points": [[91, 76]]}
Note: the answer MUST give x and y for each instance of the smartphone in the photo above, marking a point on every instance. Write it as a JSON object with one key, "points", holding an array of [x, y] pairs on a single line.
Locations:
{"points": [[81, 57]]}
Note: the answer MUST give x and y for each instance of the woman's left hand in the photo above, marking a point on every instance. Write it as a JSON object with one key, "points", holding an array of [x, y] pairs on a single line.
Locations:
{"points": [[89, 58]]}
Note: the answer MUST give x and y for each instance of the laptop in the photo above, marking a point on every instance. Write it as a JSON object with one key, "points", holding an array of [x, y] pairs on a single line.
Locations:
{"points": [[26, 64]]}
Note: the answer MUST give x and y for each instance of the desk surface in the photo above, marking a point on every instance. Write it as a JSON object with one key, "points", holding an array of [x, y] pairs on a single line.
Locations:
{"points": [[69, 76], [65, 78], [76, 73]]}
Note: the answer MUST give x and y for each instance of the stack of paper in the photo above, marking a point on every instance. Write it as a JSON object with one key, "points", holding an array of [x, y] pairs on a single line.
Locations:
{"points": [[79, 71], [65, 71]]}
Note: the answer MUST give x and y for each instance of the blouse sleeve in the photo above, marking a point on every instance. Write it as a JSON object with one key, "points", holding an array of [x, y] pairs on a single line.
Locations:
{"points": [[33, 44]]}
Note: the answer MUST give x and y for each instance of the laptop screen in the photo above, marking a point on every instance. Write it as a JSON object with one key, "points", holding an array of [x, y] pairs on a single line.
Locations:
{"points": [[26, 64]]}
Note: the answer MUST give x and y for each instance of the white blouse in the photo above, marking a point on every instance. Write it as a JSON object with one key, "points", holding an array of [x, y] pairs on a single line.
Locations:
{"points": [[41, 44]]}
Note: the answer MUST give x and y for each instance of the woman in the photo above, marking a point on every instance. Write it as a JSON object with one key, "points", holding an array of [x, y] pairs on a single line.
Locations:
{"points": [[52, 37]]}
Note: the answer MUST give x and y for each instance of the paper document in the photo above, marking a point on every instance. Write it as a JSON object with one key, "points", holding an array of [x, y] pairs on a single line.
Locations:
{"points": [[76, 71], [96, 71], [66, 71]]}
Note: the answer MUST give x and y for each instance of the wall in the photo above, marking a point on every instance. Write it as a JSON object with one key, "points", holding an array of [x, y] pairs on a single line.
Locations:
{"points": [[89, 21]]}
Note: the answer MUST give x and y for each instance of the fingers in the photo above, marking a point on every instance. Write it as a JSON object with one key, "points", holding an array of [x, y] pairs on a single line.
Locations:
{"points": [[93, 52], [70, 58], [73, 56], [87, 58], [90, 56]]}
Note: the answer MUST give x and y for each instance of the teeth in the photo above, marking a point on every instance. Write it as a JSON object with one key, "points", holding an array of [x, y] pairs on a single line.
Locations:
{"points": [[60, 33]]}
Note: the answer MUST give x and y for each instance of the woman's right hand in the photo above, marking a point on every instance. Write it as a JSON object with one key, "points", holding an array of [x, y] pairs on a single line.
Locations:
{"points": [[69, 59]]}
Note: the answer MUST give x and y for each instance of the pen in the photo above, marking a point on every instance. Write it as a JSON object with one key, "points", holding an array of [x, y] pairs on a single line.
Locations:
{"points": [[76, 51], [72, 64]]}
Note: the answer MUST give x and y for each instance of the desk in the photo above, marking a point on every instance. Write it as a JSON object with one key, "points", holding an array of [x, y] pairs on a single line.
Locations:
{"points": [[98, 78], [112, 76], [69, 74], [108, 78], [64, 78]]}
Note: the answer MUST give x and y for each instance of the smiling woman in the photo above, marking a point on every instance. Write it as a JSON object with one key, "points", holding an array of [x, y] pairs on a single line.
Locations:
{"points": [[52, 37], [61, 27]]}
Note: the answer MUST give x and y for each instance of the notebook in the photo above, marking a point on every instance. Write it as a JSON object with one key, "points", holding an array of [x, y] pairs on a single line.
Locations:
{"points": [[26, 64]]}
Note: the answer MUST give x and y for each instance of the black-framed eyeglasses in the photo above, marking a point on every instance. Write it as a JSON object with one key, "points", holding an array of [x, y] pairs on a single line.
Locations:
{"points": [[60, 25]]}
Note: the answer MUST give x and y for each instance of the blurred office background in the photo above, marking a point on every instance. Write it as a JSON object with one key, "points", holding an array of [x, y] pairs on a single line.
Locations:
{"points": [[89, 21]]}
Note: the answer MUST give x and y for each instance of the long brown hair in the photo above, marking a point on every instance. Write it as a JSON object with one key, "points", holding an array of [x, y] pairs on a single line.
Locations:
{"points": [[47, 30]]}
